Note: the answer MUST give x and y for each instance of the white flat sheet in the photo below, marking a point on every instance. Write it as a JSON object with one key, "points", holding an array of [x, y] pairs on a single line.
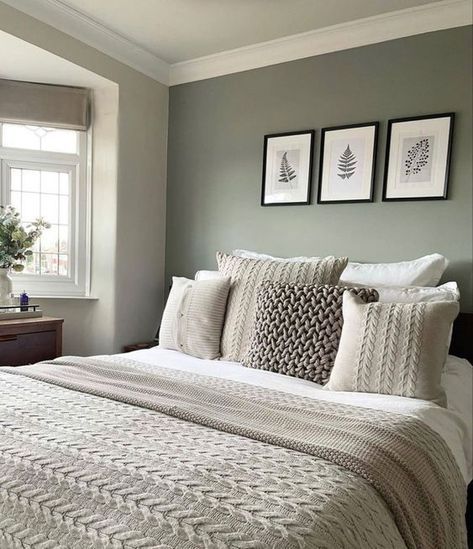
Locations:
{"points": [[454, 425]]}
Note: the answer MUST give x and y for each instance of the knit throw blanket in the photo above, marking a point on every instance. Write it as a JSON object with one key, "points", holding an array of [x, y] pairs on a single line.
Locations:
{"points": [[113, 454]]}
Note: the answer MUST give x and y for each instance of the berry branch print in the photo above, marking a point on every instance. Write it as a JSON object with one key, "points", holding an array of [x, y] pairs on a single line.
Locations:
{"points": [[286, 172], [347, 164], [417, 157]]}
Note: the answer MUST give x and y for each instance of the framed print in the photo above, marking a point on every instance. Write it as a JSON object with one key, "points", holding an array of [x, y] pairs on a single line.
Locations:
{"points": [[347, 163], [418, 157], [287, 168]]}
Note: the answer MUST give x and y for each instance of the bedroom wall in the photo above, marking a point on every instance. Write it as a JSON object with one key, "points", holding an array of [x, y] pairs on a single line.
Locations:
{"points": [[129, 204], [216, 130]]}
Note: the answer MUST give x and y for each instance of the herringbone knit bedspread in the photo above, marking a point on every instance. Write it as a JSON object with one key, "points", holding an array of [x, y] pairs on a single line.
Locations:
{"points": [[140, 457]]}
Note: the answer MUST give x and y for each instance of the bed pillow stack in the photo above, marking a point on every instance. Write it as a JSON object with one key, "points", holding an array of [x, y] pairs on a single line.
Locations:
{"points": [[319, 319]]}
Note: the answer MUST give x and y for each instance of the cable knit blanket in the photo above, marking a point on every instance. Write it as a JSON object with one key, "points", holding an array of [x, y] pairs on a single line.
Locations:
{"points": [[109, 453]]}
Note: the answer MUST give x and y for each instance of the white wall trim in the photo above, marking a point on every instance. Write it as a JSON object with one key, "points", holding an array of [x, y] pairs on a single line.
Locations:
{"points": [[430, 17], [78, 25], [380, 28]]}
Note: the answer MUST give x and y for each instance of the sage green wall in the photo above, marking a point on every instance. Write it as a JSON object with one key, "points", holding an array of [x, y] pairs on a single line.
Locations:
{"points": [[216, 130]]}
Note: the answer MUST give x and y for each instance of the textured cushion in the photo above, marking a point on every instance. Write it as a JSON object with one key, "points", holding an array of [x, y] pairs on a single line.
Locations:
{"points": [[393, 348], [193, 318], [297, 329], [247, 275], [423, 271]]}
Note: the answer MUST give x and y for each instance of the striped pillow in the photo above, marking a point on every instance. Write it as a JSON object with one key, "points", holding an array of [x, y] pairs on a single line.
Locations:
{"points": [[247, 275], [193, 318]]}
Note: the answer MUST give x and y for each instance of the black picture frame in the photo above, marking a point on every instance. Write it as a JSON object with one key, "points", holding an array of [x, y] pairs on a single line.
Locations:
{"points": [[391, 122], [267, 137], [375, 125]]}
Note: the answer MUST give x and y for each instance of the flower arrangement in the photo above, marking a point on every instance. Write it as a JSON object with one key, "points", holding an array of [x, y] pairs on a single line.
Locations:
{"points": [[16, 240]]}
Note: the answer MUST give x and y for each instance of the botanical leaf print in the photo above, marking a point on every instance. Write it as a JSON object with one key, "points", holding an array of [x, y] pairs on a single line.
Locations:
{"points": [[286, 172], [347, 164], [417, 157]]}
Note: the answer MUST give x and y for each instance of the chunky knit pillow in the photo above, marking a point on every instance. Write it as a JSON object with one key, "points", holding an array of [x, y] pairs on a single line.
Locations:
{"points": [[297, 329], [393, 348], [246, 275]]}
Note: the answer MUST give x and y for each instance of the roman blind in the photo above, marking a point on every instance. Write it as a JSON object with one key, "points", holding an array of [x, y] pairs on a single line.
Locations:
{"points": [[44, 104]]}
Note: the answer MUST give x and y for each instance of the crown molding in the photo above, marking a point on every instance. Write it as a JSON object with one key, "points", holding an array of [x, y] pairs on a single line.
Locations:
{"points": [[430, 17], [78, 25], [380, 28]]}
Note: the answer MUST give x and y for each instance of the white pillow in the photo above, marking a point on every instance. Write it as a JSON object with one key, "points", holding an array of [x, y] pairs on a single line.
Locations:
{"points": [[418, 294], [208, 275], [424, 271]]}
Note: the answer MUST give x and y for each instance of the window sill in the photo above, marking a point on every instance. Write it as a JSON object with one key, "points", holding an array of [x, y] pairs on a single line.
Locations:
{"points": [[75, 297]]}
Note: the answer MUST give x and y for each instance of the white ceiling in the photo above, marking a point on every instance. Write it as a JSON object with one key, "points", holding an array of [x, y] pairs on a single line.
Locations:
{"points": [[178, 41], [179, 30]]}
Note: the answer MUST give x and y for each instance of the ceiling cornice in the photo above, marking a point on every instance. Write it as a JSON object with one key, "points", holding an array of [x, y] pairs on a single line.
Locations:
{"points": [[380, 28], [370, 30]]}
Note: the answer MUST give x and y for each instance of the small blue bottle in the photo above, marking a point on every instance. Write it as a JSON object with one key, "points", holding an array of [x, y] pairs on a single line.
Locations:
{"points": [[24, 301]]}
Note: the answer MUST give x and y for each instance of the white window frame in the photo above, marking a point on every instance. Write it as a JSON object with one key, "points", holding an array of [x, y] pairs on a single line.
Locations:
{"points": [[77, 283]]}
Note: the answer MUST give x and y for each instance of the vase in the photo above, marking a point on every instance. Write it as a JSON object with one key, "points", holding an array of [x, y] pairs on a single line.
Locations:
{"points": [[6, 287]]}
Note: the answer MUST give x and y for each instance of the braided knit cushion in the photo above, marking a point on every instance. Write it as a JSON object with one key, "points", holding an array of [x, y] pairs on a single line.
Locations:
{"points": [[393, 348], [247, 275], [298, 327]]}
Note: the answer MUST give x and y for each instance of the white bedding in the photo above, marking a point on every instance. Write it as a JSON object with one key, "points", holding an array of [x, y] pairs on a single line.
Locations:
{"points": [[453, 424]]}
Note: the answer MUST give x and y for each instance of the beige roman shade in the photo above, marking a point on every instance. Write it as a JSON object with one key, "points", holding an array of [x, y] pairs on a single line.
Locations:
{"points": [[44, 105]]}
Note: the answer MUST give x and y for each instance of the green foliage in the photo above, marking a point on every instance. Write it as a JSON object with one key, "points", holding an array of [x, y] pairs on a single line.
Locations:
{"points": [[16, 240]]}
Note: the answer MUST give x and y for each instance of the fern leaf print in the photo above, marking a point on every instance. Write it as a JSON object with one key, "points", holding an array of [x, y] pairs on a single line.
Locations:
{"points": [[417, 157], [286, 172], [347, 164]]}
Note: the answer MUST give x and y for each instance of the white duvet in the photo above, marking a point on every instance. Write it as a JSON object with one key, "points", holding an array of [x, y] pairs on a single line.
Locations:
{"points": [[454, 424]]}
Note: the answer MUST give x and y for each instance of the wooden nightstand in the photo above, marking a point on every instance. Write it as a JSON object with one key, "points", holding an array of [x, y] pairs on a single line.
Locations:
{"points": [[139, 346], [30, 340]]}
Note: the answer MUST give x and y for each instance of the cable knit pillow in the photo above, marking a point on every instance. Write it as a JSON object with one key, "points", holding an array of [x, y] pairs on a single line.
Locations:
{"points": [[393, 348], [247, 275], [193, 318], [297, 329]]}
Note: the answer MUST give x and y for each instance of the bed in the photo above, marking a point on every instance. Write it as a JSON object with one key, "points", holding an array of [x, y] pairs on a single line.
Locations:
{"points": [[159, 449]]}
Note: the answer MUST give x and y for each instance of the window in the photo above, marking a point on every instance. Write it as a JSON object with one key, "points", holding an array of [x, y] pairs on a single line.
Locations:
{"points": [[44, 174]]}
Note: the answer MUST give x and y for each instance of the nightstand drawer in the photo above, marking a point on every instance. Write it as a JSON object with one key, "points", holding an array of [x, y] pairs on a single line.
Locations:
{"points": [[20, 349]]}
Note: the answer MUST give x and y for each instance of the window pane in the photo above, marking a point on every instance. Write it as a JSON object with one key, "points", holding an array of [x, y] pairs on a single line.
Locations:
{"points": [[63, 265], [49, 182], [49, 264], [64, 183], [31, 181], [40, 138], [20, 137], [64, 210], [15, 200], [60, 141], [29, 206], [50, 208], [50, 200], [64, 238], [32, 264], [15, 180], [49, 240]]}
